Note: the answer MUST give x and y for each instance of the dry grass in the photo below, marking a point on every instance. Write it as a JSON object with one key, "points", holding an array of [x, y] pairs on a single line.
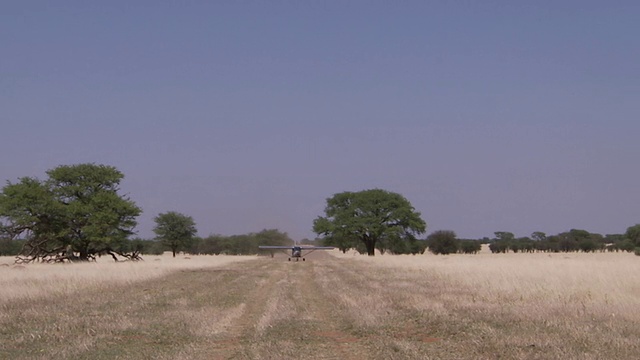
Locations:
{"points": [[602, 284], [36, 280], [560, 305], [509, 306], [82, 310]]}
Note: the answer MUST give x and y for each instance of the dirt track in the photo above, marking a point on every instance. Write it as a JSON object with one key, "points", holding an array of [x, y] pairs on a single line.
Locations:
{"points": [[308, 310], [270, 308], [288, 315]]}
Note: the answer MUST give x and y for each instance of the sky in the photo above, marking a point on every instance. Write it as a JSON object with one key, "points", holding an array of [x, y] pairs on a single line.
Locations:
{"points": [[487, 116]]}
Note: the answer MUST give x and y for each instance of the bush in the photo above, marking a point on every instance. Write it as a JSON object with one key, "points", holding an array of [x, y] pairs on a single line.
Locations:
{"points": [[470, 246], [9, 247], [626, 245], [587, 245], [443, 242], [499, 247], [246, 244], [147, 247]]}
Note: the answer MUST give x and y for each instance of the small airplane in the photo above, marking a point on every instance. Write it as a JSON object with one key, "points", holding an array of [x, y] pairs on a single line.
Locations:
{"points": [[297, 251]]}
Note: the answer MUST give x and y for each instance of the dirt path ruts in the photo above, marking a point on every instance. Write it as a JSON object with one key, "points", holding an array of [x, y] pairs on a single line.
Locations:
{"points": [[269, 308], [288, 316]]}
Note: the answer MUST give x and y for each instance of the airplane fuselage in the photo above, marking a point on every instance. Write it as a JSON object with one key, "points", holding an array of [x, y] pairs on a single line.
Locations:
{"points": [[296, 252]]}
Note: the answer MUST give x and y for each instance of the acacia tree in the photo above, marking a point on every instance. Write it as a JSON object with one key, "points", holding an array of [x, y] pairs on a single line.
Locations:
{"points": [[538, 236], [342, 240], [174, 230], [504, 235], [443, 242], [75, 214], [633, 234], [368, 216], [272, 237]]}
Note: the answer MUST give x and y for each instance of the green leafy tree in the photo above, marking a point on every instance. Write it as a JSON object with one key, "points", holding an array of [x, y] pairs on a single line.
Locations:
{"points": [[504, 236], [572, 240], [626, 245], [418, 247], [240, 244], [566, 242], [633, 234], [246, 244], [470, 246], [578, 235], [443, 242], [368, 217], [340, 237], [272, 237], [75, 214], [174, 230], [587, 245], [212, 245], [539, 236], [10, 247], [497, 247]]}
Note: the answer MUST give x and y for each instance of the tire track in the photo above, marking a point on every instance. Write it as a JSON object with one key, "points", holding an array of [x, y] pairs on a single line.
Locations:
{"points": [[287, 315], [333, 327]]}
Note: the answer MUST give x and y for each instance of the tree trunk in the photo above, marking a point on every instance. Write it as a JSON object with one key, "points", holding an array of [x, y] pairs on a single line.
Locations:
{"points": [[174, 251], [371, 247], [84, 254]]}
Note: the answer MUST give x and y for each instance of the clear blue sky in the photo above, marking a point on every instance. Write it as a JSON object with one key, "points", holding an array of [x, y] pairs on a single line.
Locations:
{"points": [[487, 116]]}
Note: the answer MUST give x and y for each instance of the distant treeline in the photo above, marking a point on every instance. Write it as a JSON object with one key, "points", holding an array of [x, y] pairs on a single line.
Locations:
{"points": [[570, 241], [212, 245], [439, 242], [446, 242], [238, 244], [574, 240]]}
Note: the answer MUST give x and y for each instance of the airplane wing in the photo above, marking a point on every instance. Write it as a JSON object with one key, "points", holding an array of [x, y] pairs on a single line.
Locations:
{"points": [[301, 247], [297, 251]]}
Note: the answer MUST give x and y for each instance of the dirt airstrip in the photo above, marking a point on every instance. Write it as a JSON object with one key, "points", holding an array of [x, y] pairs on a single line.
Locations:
{"points": [[269, 308]]}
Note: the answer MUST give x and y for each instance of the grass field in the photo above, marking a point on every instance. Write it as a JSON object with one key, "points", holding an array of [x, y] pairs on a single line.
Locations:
{"points": [[333, 306], [44, 280]]}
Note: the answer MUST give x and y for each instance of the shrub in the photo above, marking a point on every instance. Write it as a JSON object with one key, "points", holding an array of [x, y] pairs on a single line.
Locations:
{"points": [[499, 247], [9, 247], [470, 246], [443, 242]]}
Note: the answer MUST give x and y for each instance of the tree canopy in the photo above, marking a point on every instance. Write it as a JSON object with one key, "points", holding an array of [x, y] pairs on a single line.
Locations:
{"points": [[633, 234], [370, 217], [443, 242], [175, 230], [75, 214]]}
